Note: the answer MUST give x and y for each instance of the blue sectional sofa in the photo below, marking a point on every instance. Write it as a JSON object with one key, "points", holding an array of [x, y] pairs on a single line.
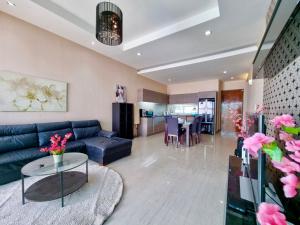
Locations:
{"points": [[20, 144]]}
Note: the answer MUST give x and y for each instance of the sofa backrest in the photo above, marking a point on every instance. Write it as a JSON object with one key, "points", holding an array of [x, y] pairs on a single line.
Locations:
{"points": [[46, 130], [86, 128], [14, 137]]}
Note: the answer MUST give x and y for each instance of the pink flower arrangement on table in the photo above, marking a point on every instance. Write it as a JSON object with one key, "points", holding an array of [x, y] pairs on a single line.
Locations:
{"points": [[269, 213], [58, 144], [243, 125]]}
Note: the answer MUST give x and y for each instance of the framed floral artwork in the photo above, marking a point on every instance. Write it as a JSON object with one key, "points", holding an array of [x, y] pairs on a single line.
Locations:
{"points": [[23, 93]]}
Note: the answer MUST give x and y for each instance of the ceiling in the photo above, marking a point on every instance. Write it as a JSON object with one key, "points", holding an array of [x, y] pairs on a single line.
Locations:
{"points": [[169, 34]]}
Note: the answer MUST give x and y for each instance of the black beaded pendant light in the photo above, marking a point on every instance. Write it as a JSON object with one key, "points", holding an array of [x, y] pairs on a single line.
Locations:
{"points": [[109, 28]]}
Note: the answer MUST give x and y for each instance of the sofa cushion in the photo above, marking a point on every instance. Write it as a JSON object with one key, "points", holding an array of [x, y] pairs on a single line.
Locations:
{"points": [[14, 137], [86, 132], [85, 123], [105, 150], [12, 162], [44, 137], [108, 134], [106, 145], [86, 128], [46, 130], [21, 155], [76, 146], [42, 127]]}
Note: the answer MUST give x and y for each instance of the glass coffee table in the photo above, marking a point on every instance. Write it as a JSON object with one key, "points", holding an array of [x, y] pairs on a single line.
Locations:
{"points": [[60, 181]]}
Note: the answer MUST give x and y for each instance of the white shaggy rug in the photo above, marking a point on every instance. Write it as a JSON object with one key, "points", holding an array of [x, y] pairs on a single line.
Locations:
{"points": [[92, 204]]}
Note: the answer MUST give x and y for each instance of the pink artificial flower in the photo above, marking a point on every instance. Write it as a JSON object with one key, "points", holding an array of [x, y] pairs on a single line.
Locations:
{"points": [[286, 166], [295, 156], [291, 183], [284, 120], [269, 214], [44, 150], [68, 135], [293, 146], [256, 142], [58, 144], [63, 143], [285, 136]]}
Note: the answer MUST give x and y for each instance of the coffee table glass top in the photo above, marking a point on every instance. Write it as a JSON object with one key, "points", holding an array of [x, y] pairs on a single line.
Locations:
{"points": [[46, 166]]}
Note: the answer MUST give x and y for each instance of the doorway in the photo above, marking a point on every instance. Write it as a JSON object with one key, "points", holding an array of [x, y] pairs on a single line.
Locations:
{"points": [[232, 100]]}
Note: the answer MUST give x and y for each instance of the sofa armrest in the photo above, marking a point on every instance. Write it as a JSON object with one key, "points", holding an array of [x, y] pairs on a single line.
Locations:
{"points": [[108, 134]]}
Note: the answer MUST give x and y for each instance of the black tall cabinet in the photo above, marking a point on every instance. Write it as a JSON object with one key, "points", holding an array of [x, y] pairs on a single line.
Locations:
{"points": [[122, 122]]}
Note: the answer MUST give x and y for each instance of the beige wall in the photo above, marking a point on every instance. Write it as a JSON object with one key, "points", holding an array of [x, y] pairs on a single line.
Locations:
{"points": [[91, 77], [255, 95], [234, 85], [193, 87]]}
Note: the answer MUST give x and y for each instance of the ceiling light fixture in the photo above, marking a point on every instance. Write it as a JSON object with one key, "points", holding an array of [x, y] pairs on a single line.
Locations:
{"points": [[109, 20], [11, 3], [207, 33], [225, 72], [138, 54]]}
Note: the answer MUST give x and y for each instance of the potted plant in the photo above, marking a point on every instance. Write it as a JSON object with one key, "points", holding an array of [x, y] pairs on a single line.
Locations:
{"points": [[58, 146]]}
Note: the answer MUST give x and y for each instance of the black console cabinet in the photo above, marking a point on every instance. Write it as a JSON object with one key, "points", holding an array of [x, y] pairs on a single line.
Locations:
{"points": [[122, 121], [238, 210]]}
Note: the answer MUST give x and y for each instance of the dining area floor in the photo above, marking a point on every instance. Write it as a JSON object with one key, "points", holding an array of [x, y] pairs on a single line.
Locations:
{"points": [[166, 185]]}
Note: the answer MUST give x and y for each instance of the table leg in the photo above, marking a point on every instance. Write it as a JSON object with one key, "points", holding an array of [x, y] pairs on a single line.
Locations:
{"points": [[62, 188], [87, 171], [187, 136], [23, 198]]}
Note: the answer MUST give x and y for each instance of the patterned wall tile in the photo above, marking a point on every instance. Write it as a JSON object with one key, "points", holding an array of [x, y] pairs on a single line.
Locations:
{"points": [[282, 94], [282, 75]]}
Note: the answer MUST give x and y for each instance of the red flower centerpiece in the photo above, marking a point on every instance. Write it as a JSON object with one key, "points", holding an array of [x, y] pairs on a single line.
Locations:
{"points": [[58, 146]]}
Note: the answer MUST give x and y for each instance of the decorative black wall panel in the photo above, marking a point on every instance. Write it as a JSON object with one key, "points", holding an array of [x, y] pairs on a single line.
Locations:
{"points": [[282, 96], [282, 75]]}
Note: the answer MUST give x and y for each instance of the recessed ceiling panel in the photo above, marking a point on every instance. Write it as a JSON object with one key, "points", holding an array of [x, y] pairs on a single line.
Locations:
{"points": [[235, 66]]}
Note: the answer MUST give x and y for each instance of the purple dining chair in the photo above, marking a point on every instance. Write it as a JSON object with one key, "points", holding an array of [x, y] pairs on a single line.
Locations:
{"points": [[174, 130]]}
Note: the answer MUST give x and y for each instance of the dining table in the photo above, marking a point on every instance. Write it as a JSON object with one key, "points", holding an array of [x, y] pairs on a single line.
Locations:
{"points": [[187, 125]]}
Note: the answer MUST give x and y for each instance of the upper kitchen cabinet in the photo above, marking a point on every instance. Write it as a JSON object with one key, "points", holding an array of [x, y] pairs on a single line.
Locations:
{"points": [[183, 98], [145, 95], [191, 98]]}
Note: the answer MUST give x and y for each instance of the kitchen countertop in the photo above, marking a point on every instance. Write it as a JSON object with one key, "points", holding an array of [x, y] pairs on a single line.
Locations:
{"points": [[169, 115]]}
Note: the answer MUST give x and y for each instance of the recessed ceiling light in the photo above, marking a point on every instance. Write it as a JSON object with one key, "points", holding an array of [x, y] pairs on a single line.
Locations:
{"points": [[225, 72], [93, 43], [231, 78], [207, 33], [11, 3], [138, 54]]}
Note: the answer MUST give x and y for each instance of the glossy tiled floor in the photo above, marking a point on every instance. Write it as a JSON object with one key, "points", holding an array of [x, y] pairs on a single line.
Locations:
{"points": [[173, 186]]}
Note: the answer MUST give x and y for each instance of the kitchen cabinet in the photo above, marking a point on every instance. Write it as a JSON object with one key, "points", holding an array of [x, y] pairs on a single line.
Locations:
{"points": [[145, 95], [183, 98], [151, 125]]}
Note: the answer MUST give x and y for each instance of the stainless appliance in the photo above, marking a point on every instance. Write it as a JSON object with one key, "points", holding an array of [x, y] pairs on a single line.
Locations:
{"points": [[207, 111]]}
